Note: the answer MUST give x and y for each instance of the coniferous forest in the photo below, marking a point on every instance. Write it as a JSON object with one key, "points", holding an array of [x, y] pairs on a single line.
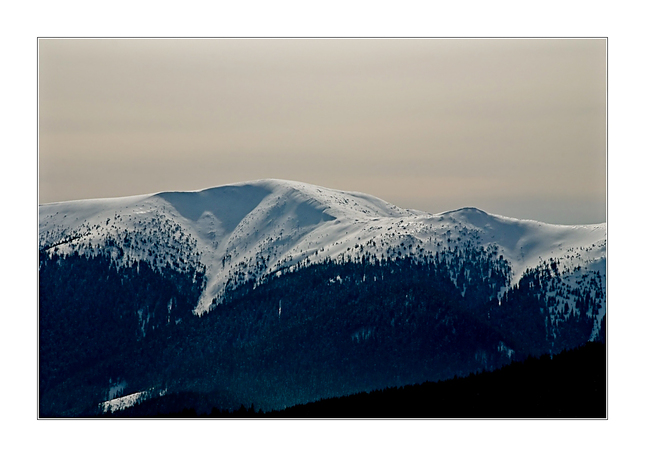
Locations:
{"points": [[325, 330]]}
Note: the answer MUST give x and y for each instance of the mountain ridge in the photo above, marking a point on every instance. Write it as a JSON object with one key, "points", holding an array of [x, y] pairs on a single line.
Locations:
{"points": [[289, 222]]}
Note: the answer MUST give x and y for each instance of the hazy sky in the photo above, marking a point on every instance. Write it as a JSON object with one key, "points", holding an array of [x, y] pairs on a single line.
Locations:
{"points": [[513, 127]]}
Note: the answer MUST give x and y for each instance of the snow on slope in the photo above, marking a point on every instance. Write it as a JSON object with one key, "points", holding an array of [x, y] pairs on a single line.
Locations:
{"points": [[526, 243], [245, 231], [127, 401]]}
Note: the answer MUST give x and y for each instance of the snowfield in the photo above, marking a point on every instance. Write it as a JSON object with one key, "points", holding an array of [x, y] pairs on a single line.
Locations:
{"points": [[244, 232]]}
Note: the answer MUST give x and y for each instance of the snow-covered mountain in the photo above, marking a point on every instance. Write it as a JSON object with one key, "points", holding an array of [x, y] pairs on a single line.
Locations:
{"points": [[246, 231], [277, 292]]}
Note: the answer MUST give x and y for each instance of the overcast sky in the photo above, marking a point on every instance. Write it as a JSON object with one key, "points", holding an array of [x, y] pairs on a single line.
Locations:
{"points": [[513, 127]]}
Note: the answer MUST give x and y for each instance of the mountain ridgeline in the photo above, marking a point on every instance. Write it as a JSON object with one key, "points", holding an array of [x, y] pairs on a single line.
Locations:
{"points": [[274, 293]]}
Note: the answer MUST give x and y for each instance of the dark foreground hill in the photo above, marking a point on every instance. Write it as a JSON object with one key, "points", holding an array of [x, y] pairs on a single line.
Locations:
{"points": [[571, 384]]}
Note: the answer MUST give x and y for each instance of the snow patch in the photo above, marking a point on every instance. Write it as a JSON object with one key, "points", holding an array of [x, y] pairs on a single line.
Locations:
{"points": [[126, 401]]}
